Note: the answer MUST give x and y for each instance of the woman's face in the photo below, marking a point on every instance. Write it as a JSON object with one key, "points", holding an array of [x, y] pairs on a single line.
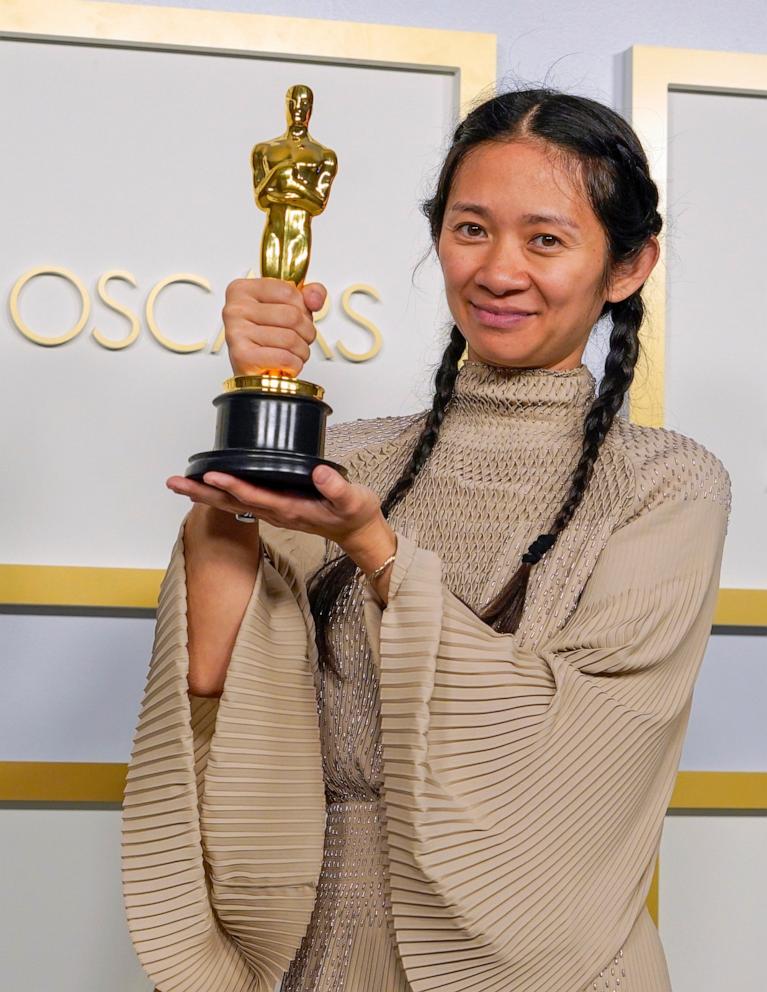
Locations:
{"points": [[523, 257]]}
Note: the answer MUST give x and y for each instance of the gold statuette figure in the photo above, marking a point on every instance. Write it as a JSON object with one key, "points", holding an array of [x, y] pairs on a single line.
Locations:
{"points": [[292, 176]]}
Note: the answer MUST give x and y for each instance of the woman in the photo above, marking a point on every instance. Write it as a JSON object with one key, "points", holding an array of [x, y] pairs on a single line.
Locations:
{"points": [[498, 620]]}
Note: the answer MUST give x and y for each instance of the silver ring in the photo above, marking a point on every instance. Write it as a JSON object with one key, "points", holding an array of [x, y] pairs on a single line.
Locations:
{"points": [[245, 518]]}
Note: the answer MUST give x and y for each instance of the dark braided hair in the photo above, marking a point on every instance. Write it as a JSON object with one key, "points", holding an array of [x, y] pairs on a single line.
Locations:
{"points": [[612, 167]]}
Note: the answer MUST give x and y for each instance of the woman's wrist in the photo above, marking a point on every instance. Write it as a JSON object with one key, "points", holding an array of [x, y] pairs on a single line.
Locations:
{"points": [[369, 549], [371, 546]]}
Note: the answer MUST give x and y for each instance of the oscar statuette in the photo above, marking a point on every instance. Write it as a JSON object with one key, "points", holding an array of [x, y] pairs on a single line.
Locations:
{"points": [[270, 426]]}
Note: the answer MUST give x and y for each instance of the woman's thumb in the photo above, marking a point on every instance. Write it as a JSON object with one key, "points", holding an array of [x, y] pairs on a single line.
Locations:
{"points": [[314, 296]]}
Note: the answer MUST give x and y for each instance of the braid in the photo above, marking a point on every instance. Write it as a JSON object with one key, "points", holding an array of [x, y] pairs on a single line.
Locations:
{"points": [[330, 582], [444, 381], [505, 611]]}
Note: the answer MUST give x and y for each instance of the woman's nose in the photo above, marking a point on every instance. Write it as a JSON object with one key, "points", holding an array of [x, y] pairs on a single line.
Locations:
{"points": [[502, 269]]}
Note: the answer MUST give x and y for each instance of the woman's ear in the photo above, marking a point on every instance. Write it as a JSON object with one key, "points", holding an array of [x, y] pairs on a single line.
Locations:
{"points": [[632, 274]]}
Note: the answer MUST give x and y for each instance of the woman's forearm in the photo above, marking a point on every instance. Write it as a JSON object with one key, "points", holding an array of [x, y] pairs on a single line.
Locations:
{"points": [[222, 558]]}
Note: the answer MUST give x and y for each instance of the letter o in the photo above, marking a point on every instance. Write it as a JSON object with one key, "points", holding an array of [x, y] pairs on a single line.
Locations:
{"points": [[21, 325]]}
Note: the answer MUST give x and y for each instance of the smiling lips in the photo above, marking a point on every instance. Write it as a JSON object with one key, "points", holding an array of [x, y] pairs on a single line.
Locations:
{"points": [[498, 317]]}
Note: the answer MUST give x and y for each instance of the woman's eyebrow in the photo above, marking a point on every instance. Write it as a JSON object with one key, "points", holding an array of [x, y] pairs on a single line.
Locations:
{"points": [[559, 219], [460, 206]]}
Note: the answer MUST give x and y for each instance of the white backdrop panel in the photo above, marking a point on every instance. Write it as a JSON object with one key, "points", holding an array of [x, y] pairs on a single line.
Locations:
{"points": [[72, 686], [63, 923], [717, 329], [712, 901], [726, 729]]}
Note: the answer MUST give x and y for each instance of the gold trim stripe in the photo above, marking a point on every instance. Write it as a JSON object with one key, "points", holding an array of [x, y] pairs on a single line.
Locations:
{"points": [[96, 782], [720, 791], [653, 895], [79, 585], [470, 55], [741, 608], [83, 585], [62, 781]]}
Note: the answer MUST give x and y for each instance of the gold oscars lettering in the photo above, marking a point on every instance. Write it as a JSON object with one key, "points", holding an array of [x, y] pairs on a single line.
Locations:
{"points": [[163, 337], [270, 425]]}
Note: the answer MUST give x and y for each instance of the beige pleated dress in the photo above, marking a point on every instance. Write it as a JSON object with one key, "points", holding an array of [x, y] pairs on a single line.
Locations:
{"points": [[468, 811]]}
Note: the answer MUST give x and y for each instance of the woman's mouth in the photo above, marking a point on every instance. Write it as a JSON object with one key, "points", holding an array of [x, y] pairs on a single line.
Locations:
{"points": [[504, 318]]}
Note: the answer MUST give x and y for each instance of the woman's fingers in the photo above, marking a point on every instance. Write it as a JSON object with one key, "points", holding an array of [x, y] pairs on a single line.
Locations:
{"points": [[278, 316], [334, 487], [290, 509], [200, 493], [314, 294], [343, 509], [227, 492], [185, 487], [339, 506], [250, 359], [330, 484]]}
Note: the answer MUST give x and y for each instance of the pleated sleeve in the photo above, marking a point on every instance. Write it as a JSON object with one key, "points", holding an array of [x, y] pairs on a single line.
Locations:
{"points": [[525, 790], [224, 810]]}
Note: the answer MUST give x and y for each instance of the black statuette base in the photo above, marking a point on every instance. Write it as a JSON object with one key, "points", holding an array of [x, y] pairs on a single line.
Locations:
{"points": [[282, 470], [269, 440]]}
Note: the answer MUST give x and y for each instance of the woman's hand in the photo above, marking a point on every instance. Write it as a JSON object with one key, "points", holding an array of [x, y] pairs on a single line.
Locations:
{"points": [[268, 324], [345, 513]]}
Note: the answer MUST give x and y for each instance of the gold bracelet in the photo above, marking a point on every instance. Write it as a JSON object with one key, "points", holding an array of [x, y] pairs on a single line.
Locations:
{"points": [[367, 579]]}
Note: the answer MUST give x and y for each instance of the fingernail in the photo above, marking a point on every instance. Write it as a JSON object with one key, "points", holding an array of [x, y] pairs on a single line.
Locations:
{"points": [[322, 474]]}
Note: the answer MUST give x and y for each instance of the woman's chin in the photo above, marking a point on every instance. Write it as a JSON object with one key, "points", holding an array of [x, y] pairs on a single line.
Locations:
{"points": [[508, 355]]}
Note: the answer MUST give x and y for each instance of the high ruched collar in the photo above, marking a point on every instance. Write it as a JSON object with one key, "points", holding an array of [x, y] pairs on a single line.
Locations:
{"points": [[491, 397]]}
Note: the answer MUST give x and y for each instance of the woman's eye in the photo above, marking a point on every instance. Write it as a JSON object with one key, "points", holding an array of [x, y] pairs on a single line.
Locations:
{"points": [[549, 238], [468, 224]]}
